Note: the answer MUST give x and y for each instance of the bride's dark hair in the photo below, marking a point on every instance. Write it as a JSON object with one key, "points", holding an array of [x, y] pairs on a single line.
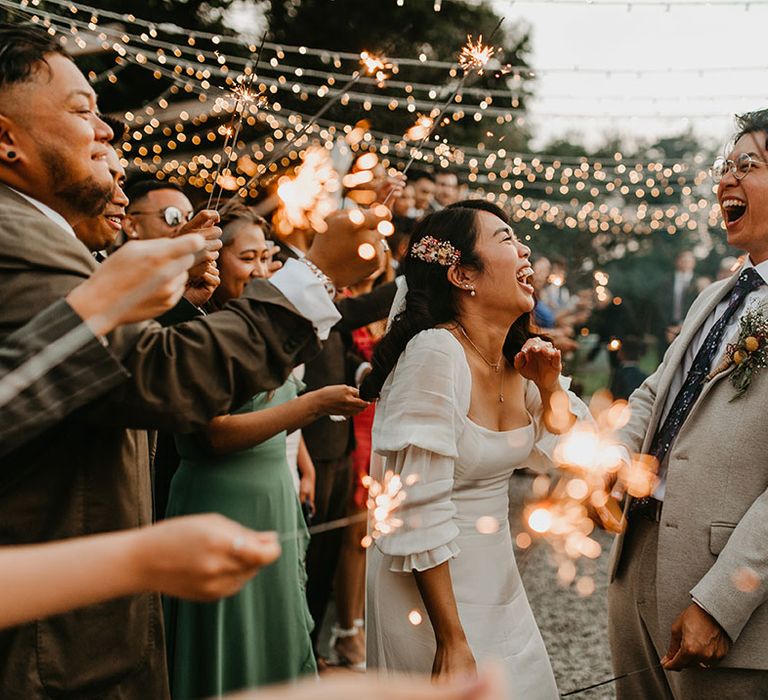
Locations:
{"points": [[432, 300]]}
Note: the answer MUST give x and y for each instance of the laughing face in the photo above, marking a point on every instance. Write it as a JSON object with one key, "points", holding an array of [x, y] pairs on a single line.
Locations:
{"points": [[744, 202], [505, 282]]}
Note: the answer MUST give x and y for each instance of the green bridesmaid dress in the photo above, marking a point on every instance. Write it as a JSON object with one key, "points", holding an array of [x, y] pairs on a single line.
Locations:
{"points": [[260, 635]]}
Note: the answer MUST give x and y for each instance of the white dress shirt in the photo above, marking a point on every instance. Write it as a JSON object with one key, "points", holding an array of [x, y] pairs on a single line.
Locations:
{"points": [[755, 298], [295, 281]]}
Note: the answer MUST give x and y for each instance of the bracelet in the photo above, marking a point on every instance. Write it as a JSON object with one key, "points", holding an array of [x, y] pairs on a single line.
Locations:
{"points": [[330, 287]]}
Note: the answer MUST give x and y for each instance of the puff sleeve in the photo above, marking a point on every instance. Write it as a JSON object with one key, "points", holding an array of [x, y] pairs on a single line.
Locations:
{"points": [[419, 420], [542, 456]]}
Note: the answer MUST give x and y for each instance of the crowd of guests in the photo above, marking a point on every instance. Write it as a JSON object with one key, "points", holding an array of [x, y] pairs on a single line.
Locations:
{"points": [[161, 363], [166, 365]]}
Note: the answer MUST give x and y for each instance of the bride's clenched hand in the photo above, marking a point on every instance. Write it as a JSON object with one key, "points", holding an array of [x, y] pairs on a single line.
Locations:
{"points": [[539, 361], [453, 662]]}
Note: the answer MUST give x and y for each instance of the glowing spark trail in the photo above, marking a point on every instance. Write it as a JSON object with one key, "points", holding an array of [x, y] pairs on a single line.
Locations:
{"points": [[370, 65]]}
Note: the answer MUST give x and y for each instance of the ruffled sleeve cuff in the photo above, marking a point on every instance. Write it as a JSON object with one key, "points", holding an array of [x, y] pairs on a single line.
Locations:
{"points": [[424, 560], [543, 455]]}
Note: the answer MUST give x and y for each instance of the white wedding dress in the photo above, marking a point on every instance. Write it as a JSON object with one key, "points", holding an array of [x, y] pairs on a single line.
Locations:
{"points": [[421, 428]]}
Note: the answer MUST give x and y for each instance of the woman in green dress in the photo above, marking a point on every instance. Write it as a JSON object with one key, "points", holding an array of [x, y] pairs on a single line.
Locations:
{"points": [[237, 466]]}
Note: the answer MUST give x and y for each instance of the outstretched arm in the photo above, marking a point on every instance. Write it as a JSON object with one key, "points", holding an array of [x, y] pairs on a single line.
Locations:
{"points": [[240, 431], [201, 557]]}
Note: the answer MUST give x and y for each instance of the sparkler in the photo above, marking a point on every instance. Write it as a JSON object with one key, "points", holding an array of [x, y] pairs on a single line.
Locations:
{"points": [[384, 504], [242, 92], [371, 64], [473, 58], [586, 456], [307, 197]]}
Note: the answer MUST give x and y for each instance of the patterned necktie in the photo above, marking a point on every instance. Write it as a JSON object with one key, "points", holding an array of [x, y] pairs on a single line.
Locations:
{"points": [[748, 281]]}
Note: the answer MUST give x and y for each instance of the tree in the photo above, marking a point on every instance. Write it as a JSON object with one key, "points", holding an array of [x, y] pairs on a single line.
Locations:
{"points": [[410, 30]]}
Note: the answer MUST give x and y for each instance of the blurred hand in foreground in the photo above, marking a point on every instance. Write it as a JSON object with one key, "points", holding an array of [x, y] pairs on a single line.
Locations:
{"points": [[140, 281], [348, 250]]}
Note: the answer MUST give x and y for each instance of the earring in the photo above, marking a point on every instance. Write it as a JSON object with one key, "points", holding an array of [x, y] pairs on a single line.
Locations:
{"points": [[473, 293], [12, 155], [471, 290]]}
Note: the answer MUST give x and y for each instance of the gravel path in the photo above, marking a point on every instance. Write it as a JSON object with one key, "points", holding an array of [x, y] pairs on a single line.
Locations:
{"points": [[575, 628]]}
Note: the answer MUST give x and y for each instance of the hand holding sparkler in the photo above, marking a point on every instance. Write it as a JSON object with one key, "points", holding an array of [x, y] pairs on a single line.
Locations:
{"points": [[346, 251], [200, 291], [204, 224], [140, 281]]}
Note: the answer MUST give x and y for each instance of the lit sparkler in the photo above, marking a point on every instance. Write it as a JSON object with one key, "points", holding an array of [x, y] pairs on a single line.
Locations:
{"points": [[306, 199], [471, 58], [245, 99], [384, 499], [421, 128], [376, 66], [370, 64], [384, 504], [586, 456], [474, 56]]}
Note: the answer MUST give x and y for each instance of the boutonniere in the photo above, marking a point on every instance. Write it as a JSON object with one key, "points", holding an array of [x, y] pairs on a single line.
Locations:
{"points": [[749, 353]]}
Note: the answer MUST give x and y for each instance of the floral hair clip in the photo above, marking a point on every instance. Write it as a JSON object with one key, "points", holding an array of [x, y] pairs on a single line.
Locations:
{"points": [[430, 250]]}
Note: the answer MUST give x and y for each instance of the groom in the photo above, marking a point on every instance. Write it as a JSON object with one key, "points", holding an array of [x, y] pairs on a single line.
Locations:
{"points": [[690, 574]]}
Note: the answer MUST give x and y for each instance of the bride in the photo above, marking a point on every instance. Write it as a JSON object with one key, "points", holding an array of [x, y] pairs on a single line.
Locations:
{"points": [[465, 390]]}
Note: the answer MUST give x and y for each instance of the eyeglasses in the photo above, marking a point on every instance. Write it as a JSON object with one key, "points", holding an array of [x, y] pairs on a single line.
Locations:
{"points": [[173, 216], [739, 167]]}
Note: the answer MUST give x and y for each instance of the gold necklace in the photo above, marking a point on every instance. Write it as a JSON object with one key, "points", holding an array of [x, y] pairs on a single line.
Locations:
{"points": [[497, 367]]}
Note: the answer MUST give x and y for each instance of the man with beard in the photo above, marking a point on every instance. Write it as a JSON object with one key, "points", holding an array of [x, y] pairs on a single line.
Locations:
{"points": [[99, 233], [90, 473]]}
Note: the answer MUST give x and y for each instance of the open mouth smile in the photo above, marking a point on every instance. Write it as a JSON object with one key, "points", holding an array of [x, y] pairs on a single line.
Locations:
{"points": [[524, 276], [733, 209]]}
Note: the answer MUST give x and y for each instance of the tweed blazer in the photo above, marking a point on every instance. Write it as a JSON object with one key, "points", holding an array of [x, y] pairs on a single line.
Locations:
{"points": [[713, 534], [86, 370], [90, 473]]}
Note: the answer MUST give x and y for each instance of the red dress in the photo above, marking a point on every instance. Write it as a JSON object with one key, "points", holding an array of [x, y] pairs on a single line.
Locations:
{"points": [[363, 342]]}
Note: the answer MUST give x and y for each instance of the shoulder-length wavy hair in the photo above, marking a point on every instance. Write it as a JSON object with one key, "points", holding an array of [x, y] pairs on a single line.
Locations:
{"points": [[432, 300]]}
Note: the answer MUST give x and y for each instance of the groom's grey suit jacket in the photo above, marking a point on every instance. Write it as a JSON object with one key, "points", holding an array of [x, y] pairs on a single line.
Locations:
{"points": [[713, 534]]}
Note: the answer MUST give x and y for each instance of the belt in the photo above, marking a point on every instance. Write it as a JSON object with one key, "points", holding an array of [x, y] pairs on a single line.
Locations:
{"points": [[647, 507]]}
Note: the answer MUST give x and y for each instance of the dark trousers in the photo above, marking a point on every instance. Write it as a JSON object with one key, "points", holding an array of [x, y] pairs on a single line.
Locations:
{"points": [[332, 494]]}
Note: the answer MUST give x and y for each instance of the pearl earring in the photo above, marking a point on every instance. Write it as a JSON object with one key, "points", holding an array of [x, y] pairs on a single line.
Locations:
{"points": [[471, 290]]}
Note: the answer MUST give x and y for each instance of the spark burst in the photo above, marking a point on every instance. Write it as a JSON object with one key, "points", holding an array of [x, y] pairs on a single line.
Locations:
{"points": [[376, 66], [384, 498], [423, 126], [307, 198], [586, 456], [474, 56]]}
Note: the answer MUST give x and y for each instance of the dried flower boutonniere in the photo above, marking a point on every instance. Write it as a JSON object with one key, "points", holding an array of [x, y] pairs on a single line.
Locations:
{"points": [[749, 353]]}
